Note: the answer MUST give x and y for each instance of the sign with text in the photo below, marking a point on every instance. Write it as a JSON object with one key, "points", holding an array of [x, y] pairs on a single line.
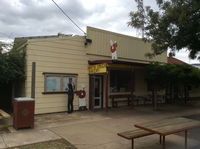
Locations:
{"points": [[98, 68]]}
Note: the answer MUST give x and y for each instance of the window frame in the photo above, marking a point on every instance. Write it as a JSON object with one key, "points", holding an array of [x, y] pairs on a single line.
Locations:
{"points": [[125, 92], [61, 75]]}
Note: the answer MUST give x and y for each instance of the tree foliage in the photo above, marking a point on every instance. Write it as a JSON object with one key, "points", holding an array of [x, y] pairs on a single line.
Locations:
{"points": [[175, 26], [175, 76], [12, 65], [180, 74]]}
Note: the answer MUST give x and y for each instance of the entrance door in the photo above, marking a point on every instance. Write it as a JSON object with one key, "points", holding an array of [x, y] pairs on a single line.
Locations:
{"points": [[97, 92]]}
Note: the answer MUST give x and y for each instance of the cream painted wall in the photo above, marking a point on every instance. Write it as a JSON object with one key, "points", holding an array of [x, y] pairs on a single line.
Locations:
{"points": [[140, 83], [70, 55], [195, 92], [57, 55], [129, 48]]}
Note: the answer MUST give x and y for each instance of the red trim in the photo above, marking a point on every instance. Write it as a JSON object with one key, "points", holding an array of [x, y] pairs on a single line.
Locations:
{"points": [[100, 62], [115, 62]]}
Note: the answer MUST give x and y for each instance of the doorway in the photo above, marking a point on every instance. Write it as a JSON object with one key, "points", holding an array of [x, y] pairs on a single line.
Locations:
{"points": [[98, 92]]}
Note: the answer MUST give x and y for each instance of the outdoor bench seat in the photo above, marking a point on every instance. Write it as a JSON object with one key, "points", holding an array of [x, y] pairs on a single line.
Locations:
{"points": [[121, 98], [3, 117], [133, 134], [116, 102], [4, 126]]}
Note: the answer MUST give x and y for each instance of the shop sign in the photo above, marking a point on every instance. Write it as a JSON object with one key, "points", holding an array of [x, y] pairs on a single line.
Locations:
{"points": [[98, 68]]}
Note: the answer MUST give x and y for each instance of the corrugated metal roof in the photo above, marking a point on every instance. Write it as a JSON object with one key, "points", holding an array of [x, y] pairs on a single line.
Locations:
{"points": [[172, 60]]}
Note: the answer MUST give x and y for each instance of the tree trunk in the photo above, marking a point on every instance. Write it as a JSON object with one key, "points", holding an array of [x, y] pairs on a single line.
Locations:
{"points": [[13, 91], [154, 98], [186, 94], [166, 94], [170, 92], [176, 93]]}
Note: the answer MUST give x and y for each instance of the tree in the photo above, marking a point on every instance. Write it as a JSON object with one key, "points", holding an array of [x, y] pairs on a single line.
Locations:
{"points": [[176, 79], [12, 65], [175, 26], [155, 77], [12, 73]]}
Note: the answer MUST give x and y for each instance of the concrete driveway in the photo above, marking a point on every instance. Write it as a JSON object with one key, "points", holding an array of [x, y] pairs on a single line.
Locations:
{"points": [[98, 129]]}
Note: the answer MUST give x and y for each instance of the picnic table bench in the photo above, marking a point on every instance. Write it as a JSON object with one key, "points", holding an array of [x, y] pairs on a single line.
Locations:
{"points": [[169, 126], [3, 116], [162, 128], [133, 134], [121, 98]]}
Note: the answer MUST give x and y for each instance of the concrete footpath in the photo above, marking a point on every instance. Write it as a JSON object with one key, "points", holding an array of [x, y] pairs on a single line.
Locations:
{"points": [[98, 129], [24, 137]]}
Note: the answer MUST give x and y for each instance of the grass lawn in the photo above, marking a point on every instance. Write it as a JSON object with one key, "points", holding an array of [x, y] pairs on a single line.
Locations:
{"points": [[55, 144]]}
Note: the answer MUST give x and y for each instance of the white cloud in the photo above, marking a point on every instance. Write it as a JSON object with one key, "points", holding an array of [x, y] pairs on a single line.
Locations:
{"points": [[42, 17], [183, 55]]}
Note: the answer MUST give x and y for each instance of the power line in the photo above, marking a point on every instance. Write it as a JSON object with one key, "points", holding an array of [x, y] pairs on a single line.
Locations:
{"points": [[10, 35], [5, 34], [68, 16]]}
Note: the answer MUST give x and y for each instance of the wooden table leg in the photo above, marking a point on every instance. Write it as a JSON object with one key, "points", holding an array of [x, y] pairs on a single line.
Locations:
{"points": [[163, 142], [128, 101], [185, 139], [113, 103], [160, 139], [132, 143]]}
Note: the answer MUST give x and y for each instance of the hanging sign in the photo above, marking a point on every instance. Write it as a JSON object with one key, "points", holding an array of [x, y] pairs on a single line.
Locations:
{"points": [[98, 68]]}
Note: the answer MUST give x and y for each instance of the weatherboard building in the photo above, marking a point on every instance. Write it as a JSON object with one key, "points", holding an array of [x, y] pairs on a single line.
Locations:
{"points": [[105, 64]]}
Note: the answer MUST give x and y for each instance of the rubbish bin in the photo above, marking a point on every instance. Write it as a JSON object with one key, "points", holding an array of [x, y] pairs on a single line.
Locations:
{"points": [[23, 112]]}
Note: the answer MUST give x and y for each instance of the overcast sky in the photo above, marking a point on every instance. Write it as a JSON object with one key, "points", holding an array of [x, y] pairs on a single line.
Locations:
{"points": [[41, 17]]}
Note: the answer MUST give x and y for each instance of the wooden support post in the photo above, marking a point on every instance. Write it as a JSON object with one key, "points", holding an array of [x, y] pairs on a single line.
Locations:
{"points": [[107, 98], [91, 92], [160, 139], [132, 87], [155, 100], [154, 97], [163, 142], [33, 80], [185, 139], [132, 143]]}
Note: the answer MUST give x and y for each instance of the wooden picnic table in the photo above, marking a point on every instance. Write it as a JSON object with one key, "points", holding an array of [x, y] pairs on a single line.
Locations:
{"points": [[3, 116], [170, 126], [116, 96]]}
